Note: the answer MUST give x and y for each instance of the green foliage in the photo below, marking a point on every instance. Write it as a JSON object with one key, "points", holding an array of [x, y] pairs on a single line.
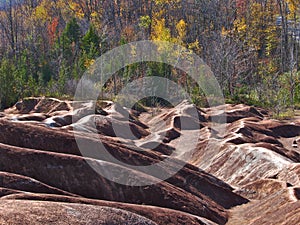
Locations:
{"points": [[286, 114], [145, 21], [46, 73], [297, 89], [70, 39], [91, 42], [10, 83], [255, 59], [71, 32]]}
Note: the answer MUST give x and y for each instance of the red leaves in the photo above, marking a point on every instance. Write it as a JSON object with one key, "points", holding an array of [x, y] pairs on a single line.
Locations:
{"points": [[52, 30], [241, 6]]}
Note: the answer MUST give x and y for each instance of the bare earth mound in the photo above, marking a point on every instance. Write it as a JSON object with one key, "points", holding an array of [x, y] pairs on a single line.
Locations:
{"points": [[242, 170]]}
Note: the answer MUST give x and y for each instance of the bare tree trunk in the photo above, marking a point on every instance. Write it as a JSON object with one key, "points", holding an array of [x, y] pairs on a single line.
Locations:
{"points": [[284, 35]]}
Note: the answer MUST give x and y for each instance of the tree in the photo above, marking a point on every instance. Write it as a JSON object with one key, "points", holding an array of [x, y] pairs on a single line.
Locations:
{"points": [[70, 40], [8, 88], [10, 23], [91, 41]]}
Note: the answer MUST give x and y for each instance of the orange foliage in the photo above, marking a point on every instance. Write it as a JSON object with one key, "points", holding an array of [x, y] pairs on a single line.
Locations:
{"points": [[52, 29]]}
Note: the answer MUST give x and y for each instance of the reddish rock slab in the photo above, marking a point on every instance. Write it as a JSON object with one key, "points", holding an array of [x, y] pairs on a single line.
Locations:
{"points": [[7, 191], [73, 174], [290, 175], [40, 212], [64, 142], [279, 208], [39, 105], [260, 189], [110, 127], [23, 183], [162, 216], [239, 165], [256, 155], [232, 113]]}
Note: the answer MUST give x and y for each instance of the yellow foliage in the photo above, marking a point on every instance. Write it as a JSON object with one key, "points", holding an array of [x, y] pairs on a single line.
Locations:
{"points": [[41, 13], [271, 40], [293, 5], [181, 28], [94, 14], [240, 25], [195, 46], [61, 4], [75, 7], [88, 63], [225, 32], [160, 32], [160, 2], [257, 28]]}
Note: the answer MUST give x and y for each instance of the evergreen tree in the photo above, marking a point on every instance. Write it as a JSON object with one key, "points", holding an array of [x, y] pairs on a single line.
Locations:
{"points": [[91, 41]]}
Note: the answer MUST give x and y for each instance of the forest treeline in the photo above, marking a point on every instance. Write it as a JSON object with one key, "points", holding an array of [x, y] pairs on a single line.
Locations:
{"points": [[251, 46]]}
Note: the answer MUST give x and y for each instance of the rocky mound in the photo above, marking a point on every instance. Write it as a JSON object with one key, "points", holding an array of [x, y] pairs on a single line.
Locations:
{"points": [[18, 212], [230, 159]]}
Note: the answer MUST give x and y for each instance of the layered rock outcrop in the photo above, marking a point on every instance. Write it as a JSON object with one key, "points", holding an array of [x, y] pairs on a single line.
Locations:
{"points": [[225, 163]]}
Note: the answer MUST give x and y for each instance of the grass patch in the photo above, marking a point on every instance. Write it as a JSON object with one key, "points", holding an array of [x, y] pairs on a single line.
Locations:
{"points": [[288, 114]]}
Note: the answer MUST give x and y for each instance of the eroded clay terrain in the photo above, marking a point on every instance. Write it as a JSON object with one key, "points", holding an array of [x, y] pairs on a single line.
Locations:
{"points": [[242, 171]]}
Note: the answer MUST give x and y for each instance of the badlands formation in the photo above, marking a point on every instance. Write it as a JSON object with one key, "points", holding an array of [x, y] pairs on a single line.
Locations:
{"points": [[242, 170]]}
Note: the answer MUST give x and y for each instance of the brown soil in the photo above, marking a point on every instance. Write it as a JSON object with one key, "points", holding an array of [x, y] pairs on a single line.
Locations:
{"points": [[245, 171]]}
